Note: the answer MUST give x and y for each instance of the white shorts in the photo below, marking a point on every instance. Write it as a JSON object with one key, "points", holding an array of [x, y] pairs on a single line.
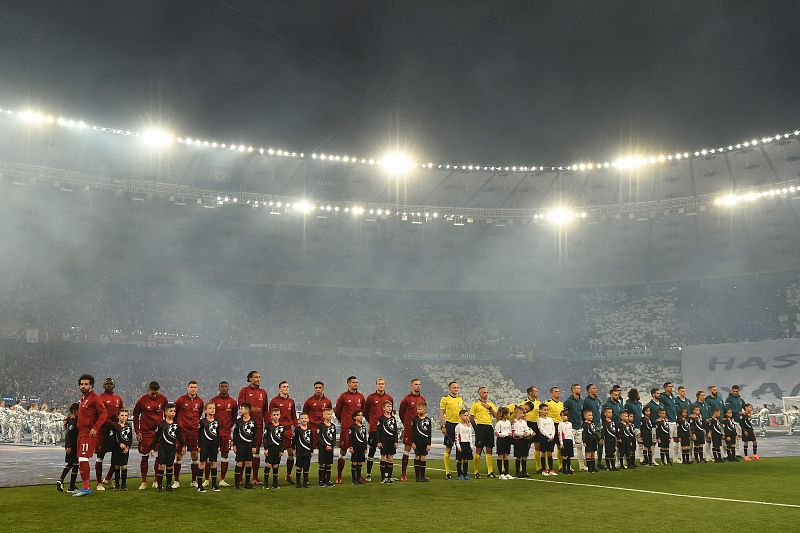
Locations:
{"points": [[673, 430]]}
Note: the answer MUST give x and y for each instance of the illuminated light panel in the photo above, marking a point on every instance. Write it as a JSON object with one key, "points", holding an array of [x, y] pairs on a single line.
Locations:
{"points": [[396, 163]]}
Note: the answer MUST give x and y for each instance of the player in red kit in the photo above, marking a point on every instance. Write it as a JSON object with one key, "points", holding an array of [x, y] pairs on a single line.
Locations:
{"points": [[314, 406], [257, 398], [106, 442], [407, 412], [188, 409], [91, 417], [373, 410], [288, 420], [226, 410], [347, 403], [147, 414]]}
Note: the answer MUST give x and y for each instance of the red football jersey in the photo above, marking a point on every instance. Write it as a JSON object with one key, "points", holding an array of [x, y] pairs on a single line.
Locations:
{"points": [[257, 398], [346, 404], [226, 412], [313, 408], [91, 414], [113, 403], [408, 408], [288, 413], [373, 409], [148, 412], [187, 413]]}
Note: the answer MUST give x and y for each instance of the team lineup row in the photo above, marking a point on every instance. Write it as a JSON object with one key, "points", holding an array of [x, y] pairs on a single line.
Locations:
{"points": [[582, 427]]}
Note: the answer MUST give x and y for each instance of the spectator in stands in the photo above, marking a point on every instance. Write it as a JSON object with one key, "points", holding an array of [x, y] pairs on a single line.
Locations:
{"points": [[654, 404]]}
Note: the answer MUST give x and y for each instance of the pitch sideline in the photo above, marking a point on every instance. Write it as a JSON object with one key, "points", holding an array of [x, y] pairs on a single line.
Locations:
{"points": [[660, 493]]}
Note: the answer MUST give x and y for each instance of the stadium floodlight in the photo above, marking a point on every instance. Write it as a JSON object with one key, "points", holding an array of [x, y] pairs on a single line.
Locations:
{"points": [[157, 137], [560, 215], [357, 210], [303, 206], [396, 163]]}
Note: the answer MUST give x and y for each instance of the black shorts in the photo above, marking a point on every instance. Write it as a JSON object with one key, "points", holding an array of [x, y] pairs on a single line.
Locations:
{"points": [[623, 447], [119, 459], [716, 440], [465, 454], [303, 462], [244, 453], [748, 436], [731, 442], [449, 434], [372, 440], [107, 443], [504, 445], [325, 457], [521, 447], [610, 446], [273, 454], [569, 448], [420, 447], [663, 442], [685, 440], [546, 445], [699, 438], [632, 446], [358, 456], [166, 455], [535, 428], [484, 436], [71, 458], [388, 448], [591, 446], [209, 454]]}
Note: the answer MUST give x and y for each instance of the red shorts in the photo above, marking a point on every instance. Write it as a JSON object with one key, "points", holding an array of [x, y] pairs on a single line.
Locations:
{"points": [[146, 445], [408, 436], [287, 437], [86, 446], [191, 442], [344, 440], [224, 443]]}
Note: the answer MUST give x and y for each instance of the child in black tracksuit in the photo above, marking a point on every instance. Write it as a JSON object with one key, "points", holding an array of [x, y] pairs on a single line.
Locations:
{"points": [[590, 440], [662, 437], [630, 436], [717, 436], [610, 436], [303, 445], [729, 429], [685, 436], [698, 426], [70, 450], [622, 440], [748, 432], [646, 431]]}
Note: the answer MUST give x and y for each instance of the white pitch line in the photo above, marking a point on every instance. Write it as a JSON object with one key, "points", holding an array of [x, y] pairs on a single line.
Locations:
{"points": [[660, 493]]}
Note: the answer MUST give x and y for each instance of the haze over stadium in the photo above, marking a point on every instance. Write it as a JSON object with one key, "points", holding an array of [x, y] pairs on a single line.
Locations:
{"points": [[503, 196]]}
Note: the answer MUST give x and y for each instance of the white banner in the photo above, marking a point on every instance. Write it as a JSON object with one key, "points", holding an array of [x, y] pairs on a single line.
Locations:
{"points": [[766, 371]]}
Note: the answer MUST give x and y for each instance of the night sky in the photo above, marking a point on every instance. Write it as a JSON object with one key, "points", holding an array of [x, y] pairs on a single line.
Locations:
{"points": [[487, 81]]}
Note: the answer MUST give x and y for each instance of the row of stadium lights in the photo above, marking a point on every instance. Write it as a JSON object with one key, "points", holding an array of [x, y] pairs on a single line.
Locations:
{"points": [[398, 163], [734, 199]]}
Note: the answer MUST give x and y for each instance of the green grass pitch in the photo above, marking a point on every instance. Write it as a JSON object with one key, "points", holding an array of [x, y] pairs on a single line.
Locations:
{"points": [[477, 505]]}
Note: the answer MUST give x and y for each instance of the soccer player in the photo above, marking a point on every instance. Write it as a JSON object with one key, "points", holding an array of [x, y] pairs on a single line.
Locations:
{"points": [[188, 409], [717, 435], [502, 430], [273, 447], [314, 406], [465, 439], [654, 404], [225, 409], [590, 439], [574, 404], [244, 446], [91, 417], [70, 450], [609, 437], [123, 440], [327, 442], [729, 429], [168, 438], [521, 434], [646, 435], [663, 437], [749, 432], [387, 436], [566, 440], [106, 442], [421, 433], [373, 409], [682, 402], [685, 435], [208, 443], [480, 415], [303, 444], [713, 401], [698, 426], [449, 407], [407, 413], [358, 441], [147, 414], [547, 438], [347, 404], [288, 420], [257, 398], [554, 408]]}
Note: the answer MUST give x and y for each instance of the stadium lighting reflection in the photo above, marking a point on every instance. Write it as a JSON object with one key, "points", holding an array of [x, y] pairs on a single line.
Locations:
{"points": [[397, 163], [157, 137]]}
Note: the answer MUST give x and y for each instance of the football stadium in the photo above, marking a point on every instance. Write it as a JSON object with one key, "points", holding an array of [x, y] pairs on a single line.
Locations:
{"points": [[526, 262]]}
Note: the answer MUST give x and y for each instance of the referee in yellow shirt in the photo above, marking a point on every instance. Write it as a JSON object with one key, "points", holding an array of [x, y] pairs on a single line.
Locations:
{"points": [[555, 406], [480, 415], [449, 407]]}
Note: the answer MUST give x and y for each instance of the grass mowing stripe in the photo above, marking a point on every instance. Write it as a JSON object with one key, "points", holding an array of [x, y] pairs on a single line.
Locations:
{"points": [[644, 491]]}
